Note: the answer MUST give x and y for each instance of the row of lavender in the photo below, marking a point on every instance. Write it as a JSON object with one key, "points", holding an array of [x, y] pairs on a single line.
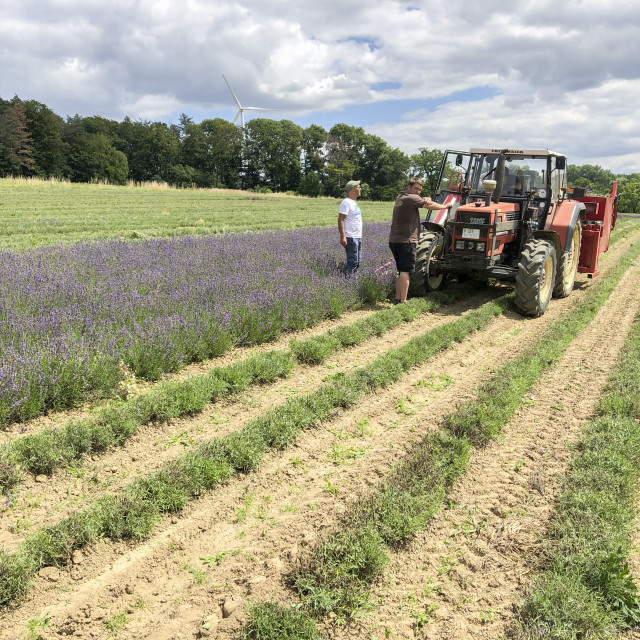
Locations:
{"points": [[69, 316]]}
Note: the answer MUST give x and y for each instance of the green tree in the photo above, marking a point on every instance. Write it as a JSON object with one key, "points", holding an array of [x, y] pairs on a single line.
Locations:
{"points": [[383, 168], [592, 177], [311, 185], [16, 144], [46, 130], [194, 152], [93, 157], [426, 165], [336, 177], [314, 138], [629, 197], [345, 144], [181, 175], [345, 147], [151, 148], [272, 154], [223, 145]]}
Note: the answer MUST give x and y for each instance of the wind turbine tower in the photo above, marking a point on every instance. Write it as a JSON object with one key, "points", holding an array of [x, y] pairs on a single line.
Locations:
{"points": [[242, 109]]}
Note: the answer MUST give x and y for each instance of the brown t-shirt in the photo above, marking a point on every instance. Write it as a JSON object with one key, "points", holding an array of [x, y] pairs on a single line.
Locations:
{"points": [[405, 224]]}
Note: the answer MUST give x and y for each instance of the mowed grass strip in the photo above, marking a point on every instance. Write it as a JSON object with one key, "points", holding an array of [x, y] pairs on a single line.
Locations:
{"points": [[585, 589], [55, 448], [624, 227], [337, 576], [41, 212], [133, 512]]}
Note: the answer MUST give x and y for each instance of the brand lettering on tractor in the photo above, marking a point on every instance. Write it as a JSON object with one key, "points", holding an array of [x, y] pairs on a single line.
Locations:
{"points": [[510, 151], [476, 220]]}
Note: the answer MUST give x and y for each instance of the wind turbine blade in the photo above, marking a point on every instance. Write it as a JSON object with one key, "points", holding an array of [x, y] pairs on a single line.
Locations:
{"points": [[237, 114], [233, 94]]}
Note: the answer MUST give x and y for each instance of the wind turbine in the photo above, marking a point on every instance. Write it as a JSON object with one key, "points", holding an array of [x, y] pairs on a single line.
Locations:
{"points": [[242, 109]]}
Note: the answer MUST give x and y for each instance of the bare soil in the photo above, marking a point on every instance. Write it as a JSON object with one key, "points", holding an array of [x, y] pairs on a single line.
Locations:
{"points": [[461, 578]]}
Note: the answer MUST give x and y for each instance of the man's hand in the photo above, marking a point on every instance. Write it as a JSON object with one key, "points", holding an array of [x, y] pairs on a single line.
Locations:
{"points": [[343, 241]]}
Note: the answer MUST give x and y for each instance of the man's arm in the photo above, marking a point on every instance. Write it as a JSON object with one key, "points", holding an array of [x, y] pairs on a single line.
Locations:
{"points": [[343, 239], [428, 203]]}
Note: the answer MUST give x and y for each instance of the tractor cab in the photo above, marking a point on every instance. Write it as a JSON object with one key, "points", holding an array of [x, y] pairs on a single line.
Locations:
{"points": [[536, 177]]}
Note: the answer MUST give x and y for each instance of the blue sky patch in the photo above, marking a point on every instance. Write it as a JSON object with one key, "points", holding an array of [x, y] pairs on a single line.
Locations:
{"points": [[370, 42], [385, 86]]}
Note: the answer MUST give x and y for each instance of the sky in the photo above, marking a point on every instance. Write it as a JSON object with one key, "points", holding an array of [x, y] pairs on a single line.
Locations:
{"points": [[452, 74]]}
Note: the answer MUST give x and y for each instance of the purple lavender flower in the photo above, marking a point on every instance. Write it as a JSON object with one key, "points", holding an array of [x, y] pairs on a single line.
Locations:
{"points": [[70, 314]]}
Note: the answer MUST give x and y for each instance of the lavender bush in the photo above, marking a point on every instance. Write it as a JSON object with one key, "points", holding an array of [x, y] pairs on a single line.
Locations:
{"points": [[70, 315]]}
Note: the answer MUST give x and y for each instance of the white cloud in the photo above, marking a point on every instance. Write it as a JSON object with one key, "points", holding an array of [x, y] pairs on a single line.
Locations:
{"points": [[566, 74]]}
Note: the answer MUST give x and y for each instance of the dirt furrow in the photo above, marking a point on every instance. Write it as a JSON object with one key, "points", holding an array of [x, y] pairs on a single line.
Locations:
{"points": [[52, 498], [235, 543], [464, 577]]}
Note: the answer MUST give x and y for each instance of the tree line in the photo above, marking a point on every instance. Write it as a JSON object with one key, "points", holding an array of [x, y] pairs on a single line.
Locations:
{"points": [[268, 155]]}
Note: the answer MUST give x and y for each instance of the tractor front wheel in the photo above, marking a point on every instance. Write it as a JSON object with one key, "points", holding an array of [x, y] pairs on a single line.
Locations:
{"points": [[568, 266], [536, 277], [427, 275]]}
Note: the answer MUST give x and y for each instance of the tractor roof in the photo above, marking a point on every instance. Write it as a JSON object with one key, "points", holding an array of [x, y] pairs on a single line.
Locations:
{"points": [[519, 152]]}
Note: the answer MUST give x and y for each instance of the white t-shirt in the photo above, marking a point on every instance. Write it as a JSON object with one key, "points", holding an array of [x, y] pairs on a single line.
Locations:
{"points": [[353, 221]]}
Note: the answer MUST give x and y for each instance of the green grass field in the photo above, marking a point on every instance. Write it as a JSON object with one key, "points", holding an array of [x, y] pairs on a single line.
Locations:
{"points": [[37, 212]]}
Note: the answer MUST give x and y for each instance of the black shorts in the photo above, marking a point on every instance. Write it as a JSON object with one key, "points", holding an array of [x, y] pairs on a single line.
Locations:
{"points": [[404, 253]]}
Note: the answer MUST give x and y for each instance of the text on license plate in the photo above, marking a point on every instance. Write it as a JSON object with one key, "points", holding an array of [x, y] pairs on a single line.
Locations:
{"points": [[471, 234]]}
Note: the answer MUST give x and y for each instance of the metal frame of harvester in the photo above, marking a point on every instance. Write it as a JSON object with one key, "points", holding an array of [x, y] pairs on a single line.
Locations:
{"points": [[513, 218]]}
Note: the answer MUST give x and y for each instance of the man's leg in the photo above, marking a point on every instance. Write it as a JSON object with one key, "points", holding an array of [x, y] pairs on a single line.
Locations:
{"points": [[352, 256], [402, 286]]}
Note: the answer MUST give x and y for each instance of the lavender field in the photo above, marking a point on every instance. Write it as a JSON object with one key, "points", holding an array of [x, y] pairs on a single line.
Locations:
{"points": [[71, 316]]}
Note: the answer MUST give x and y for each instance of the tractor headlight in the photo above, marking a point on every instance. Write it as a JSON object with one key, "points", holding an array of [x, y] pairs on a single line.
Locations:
{"points": [[460, 245], [480, 246]]}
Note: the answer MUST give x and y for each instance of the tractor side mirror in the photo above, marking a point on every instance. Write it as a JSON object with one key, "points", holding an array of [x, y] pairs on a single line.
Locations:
{"points": [[458, 160], [560, 162]]}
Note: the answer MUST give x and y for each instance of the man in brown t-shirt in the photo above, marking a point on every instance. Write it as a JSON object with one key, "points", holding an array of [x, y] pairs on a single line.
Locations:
{"points": [[405, 231]]}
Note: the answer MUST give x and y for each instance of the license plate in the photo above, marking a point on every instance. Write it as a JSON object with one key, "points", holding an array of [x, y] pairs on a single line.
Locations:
{"points": [[471, 234]]}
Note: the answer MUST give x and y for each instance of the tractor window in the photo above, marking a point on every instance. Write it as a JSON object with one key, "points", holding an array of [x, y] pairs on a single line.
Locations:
{"points": [[522, 175], [483, 167], [454, 171]]}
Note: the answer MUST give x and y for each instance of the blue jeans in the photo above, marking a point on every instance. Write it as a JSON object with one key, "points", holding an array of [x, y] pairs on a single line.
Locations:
{"points": [[354, 255]]}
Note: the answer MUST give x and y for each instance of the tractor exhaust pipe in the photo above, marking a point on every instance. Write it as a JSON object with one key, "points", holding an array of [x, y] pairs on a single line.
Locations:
{"points": [[499, 177]]}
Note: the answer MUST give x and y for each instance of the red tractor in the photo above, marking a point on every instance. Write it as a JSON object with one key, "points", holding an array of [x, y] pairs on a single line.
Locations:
{"points": [[514, 219]]}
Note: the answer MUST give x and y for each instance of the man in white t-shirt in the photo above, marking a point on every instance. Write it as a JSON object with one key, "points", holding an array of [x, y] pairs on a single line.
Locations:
{"points": [[350, 226]]}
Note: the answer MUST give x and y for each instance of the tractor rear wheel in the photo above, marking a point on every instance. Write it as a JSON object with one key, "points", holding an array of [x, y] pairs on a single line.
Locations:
{"points": [[427, 276], [536, 277], [568, 266]]}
